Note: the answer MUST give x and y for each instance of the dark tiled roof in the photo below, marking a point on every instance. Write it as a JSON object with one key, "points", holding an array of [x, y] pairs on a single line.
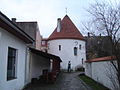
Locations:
{"points": [[12, 28], [108, 58], [44, 54], [68, 31]]}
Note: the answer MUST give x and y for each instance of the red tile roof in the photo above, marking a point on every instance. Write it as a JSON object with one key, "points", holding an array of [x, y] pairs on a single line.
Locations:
{"points": [[108, 58], [68, 31]]}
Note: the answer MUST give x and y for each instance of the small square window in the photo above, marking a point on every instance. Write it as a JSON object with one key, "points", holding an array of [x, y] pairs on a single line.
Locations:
{"points": [[11, 64], [82, 61], [80, 46], [43, 42], [59, 47]]}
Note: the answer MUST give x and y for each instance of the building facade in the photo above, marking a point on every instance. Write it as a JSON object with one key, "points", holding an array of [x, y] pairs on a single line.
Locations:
{"points": [[12, 55], [97, 46], [32, 29], [21, 58], [68, 43]]}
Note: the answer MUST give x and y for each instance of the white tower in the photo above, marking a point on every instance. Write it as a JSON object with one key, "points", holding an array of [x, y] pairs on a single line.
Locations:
{"points": [[68, 43]]}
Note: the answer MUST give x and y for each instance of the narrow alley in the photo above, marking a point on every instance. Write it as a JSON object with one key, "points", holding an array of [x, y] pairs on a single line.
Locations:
{"points": [[65, 81]]}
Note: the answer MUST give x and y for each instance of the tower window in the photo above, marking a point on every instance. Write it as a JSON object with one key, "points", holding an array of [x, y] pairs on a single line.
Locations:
{"points": [[11, 64], [59, 47], [75, 51], [80, 46], [82, 61]]}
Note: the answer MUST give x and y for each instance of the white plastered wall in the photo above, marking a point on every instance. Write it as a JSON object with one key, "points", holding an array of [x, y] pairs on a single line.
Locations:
{"points": [[37, 65], [9, 40], [102, 72], [67, 51]]}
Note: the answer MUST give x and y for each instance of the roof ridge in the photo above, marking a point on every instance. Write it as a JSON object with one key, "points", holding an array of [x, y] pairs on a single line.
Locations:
{"points": [[26, 22]]}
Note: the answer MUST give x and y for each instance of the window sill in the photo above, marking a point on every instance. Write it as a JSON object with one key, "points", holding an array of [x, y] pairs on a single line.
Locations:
{"points": [[11, 78]]}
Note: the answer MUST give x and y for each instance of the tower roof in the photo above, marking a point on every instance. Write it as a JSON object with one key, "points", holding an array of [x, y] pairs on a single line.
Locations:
{"points": [[68, 31]]}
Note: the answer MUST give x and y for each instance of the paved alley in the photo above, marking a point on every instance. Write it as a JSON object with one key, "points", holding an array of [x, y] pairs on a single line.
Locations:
{"points": [[65, 81]]}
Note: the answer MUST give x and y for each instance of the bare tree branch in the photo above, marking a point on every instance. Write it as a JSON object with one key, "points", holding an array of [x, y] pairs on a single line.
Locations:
{"points": [[106, 18]]}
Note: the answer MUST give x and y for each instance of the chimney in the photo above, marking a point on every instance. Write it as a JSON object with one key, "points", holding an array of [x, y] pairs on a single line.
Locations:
{"points": [[14, 20], [58, 24]]}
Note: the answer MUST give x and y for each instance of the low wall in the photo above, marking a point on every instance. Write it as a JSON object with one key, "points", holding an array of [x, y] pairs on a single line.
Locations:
{"points": [[102, 72]]}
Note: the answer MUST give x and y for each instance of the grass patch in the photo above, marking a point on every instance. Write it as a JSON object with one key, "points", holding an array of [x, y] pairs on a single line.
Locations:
{"points": [[93, 84]]}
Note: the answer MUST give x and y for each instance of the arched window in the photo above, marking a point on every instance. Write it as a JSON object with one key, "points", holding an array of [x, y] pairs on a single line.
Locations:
{"points": [[75, 51]]}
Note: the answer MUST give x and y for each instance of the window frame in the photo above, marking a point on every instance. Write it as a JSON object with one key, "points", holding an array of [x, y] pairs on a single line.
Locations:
{"points": [[82, 61], [75, 51], [59, 47], [80, 46], [12, 64], [43, 43]]}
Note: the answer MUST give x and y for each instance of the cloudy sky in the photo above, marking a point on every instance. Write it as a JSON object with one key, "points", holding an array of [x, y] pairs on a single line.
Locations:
{"points": [[46, 12]]}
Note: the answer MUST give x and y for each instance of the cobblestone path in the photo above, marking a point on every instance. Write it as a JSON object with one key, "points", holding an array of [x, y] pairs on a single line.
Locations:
{"points": [[65, 81]]}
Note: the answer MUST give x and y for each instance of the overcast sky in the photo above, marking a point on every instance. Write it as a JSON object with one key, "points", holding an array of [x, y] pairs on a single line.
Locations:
{"points": [[46, 12]]}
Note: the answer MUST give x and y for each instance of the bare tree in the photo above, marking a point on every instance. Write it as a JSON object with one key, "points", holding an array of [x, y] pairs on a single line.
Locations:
{"points": [[106, 19]]}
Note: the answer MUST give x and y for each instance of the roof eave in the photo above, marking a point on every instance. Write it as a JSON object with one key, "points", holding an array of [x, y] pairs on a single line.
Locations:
{"points": [[101, 59], [46, 55], [66, 38], [7, 24]]}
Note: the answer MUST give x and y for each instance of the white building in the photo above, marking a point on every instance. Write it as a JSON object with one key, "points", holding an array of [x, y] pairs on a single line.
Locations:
{"points": [[12, 55], [38, 62], [68, 43]]}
